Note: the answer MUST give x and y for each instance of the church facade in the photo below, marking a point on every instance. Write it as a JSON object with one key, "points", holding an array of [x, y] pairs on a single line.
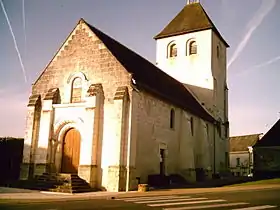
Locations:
{"points": [[103, 112]]}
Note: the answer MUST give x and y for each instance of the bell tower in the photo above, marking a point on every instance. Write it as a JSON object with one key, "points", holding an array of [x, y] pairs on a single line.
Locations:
{"points": [[191, 50]]}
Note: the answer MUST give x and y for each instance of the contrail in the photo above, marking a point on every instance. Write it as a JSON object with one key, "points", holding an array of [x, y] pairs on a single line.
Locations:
{"points": [[24, 31], [273, 60], [264, 10], [14, 39]]}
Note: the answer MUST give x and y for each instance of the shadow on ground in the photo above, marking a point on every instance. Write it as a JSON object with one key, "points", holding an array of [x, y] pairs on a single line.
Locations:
{"points": [[179, 183]]}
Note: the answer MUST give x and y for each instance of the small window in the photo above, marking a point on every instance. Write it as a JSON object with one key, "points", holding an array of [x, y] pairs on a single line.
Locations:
{"points": [[218, 52], [192, 128], [237, 161], [193, 48], [226, 131], [173, 51], [76, 92], [172, 118], [226, 159], [215, 89], [219, 129]]}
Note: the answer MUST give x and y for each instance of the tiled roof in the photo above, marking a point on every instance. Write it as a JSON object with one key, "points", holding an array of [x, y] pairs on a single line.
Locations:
{"points": [[271, 138], [191, 18], [152, 79], [204, 95], [241, 143]]}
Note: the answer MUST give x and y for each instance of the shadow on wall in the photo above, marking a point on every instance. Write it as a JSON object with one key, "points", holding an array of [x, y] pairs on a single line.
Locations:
{"points": [[11, 151]]}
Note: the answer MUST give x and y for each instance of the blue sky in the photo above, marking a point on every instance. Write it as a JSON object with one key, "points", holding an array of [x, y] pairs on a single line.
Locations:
{"points": [[251, 28]]}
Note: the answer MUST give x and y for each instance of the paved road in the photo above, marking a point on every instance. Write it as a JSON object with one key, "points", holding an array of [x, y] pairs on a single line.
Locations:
{"points": [[247, 200]]}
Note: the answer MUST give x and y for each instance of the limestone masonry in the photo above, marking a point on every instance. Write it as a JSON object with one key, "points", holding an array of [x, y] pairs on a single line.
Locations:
{"points": [[100, 110]]}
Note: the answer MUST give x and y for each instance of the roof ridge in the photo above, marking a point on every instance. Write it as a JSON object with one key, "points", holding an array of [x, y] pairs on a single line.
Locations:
{"points": [[162, 72]]}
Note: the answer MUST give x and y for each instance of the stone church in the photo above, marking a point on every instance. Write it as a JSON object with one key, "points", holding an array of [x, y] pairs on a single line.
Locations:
{"points": [[103, 112]]}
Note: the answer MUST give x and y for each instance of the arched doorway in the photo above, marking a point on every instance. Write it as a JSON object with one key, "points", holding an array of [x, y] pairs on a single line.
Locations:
{"points": [[71, 151]]}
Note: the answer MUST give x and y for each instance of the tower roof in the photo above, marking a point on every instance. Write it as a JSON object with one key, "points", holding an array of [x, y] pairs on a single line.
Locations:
{"points": [[190, 19]]}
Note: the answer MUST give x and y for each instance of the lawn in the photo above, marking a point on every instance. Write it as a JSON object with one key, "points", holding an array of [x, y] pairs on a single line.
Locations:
{"points": [[259, 182]]}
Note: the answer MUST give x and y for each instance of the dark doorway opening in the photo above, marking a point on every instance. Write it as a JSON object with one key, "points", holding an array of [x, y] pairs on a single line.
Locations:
{"points": [[162, 162]]}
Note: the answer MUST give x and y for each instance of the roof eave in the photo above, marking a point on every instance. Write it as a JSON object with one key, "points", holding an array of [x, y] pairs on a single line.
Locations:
{"points": [[207, 116], [161, 36]]}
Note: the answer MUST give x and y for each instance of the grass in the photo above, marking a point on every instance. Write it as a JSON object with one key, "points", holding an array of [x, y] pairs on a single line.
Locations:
{"points": [[259, 182]]}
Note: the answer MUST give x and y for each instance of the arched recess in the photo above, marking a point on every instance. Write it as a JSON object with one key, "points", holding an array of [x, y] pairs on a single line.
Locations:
{"points": [[76, 90], [60, 131], [74, 75], [77, 84]]}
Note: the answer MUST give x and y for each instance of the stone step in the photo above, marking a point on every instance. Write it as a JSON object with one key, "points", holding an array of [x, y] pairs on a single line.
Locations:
{"points": [[70, 183]]}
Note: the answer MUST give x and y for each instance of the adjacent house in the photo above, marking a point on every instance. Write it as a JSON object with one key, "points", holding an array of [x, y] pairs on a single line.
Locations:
{"points": [[241, 153], [106, 114], [267, 154]]}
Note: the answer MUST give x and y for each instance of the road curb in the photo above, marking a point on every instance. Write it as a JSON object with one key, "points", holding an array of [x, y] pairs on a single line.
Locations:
{"points": [[48, 196]]}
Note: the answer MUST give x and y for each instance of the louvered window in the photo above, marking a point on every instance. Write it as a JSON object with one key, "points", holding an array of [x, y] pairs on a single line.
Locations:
{"points": [[173, 51], [193, 48]]}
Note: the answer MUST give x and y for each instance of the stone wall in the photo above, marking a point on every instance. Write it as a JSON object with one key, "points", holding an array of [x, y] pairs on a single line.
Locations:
{"points": [[184, 151], [84, 55], [245, 163], [267, 162]]}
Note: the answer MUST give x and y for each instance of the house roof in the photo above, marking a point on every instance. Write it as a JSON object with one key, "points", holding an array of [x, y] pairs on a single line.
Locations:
{"points": [[241, 143], [271, 138], [191, 18], [152, 79]]}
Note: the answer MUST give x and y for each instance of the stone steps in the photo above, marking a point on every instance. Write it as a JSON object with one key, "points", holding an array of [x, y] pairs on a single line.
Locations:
{"points": [[66, 183]]}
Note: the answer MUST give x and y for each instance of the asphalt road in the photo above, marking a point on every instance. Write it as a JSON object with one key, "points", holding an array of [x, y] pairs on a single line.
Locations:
{"points": [[247, 200]]}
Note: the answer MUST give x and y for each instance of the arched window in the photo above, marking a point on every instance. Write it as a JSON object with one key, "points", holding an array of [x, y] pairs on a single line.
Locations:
{"points": [[191, 121], [76, 90], [173, 50], [192, 48], [172, 118]]}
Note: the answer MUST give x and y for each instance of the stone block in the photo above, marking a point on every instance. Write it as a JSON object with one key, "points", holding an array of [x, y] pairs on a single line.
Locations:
{"points": [[41, 168], [24, 171], [116, 178], [90, 174]]}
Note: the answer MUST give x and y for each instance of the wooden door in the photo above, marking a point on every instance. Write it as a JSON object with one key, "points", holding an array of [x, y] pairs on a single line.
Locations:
{"points": [[71, 152]]}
